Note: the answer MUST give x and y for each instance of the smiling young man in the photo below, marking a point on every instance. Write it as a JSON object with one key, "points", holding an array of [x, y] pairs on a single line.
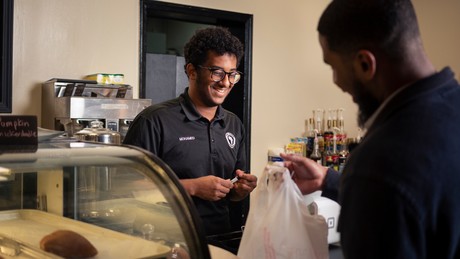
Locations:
{"points": [[201, 141]]}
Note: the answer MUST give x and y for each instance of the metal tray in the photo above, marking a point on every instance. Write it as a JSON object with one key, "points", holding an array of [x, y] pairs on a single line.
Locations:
{"points": [[27, 227]]}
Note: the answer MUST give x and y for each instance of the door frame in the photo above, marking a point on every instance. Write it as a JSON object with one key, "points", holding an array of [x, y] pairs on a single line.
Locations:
{"points": [[6, 87]]}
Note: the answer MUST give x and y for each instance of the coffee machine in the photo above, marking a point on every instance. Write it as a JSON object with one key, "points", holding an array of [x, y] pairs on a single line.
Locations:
{"points": [[71, 105]]}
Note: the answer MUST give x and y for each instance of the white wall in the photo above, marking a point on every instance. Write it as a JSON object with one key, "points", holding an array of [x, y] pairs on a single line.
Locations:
{"points": [[70, 39]]}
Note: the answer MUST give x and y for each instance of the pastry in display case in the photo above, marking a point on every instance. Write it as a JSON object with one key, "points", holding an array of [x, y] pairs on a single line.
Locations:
{"points": [[74, 199]]}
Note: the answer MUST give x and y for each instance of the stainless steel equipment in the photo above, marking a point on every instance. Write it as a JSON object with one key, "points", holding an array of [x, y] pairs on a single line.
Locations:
{"points": [[96, 133], [71, 105]]}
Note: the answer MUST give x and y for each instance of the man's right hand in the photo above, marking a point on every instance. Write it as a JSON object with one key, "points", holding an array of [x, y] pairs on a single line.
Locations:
{"points": [[211, 188], [308, 175]]}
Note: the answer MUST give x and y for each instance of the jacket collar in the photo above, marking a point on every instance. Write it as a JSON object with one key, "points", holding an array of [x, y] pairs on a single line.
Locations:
{"points": [[411, 92]]}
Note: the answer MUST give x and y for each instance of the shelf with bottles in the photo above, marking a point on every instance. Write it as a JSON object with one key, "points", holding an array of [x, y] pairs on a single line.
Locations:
{"points": [[324, 139]]}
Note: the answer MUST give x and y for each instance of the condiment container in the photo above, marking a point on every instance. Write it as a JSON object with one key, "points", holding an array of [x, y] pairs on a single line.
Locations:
{"points": [[97, 133]]}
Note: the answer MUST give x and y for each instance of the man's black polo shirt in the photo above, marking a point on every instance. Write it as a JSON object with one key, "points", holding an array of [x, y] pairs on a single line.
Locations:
{"points": [[193, 147]]}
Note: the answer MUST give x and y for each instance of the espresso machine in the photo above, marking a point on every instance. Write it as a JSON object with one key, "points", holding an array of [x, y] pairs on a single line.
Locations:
{"points": [[76, 106], [71, 105]]}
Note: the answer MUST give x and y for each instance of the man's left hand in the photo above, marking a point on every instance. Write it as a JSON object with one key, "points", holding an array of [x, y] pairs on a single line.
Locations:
{"points": [[245, 184]]}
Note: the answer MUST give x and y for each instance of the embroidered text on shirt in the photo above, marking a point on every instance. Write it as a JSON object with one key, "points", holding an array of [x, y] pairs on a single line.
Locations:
{"points": [[186, 138]]}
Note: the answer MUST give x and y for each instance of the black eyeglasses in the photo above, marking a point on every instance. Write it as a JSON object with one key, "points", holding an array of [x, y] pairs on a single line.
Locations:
{"points": [[218, 74]]}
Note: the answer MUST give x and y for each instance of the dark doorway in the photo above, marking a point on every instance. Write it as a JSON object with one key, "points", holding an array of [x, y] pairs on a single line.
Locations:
{"points": [[165, 28]]}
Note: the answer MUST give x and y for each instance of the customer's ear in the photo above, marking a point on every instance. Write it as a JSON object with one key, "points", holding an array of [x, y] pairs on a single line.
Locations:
{"points": [[365, 65]]}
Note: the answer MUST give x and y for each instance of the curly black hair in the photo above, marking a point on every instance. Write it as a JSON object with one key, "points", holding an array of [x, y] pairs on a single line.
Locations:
{"points": [[217, 39]]}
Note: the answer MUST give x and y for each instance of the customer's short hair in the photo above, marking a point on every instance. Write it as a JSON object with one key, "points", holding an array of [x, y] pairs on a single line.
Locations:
{"points": [[217, 39], [381, 25]]}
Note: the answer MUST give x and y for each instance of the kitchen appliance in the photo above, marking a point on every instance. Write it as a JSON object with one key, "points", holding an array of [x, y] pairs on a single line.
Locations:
{"points": [[71, 105]]}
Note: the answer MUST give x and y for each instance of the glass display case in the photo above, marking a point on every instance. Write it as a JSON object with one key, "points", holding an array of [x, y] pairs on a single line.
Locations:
{"points": [[125, 201]]}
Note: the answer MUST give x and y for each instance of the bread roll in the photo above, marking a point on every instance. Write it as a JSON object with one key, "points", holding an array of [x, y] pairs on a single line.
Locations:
{"points": [[68, 244]]}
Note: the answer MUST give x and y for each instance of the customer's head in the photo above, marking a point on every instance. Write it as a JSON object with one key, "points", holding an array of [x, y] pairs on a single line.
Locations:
{"points": [[382, 26], [370, 44]]}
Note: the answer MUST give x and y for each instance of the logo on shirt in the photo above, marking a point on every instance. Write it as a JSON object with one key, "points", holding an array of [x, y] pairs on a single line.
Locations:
{"points": [[187, 138], [231, 140]]}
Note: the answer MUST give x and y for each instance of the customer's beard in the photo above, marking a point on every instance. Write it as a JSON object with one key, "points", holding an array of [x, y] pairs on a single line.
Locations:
{"points": [[367, 103]]}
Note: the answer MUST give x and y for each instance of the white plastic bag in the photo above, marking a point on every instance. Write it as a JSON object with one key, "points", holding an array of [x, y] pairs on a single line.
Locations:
{"points": [[279, 224]]}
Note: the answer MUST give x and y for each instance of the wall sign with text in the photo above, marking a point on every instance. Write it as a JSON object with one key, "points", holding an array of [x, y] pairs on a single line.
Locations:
{"points": [[18, 133]]}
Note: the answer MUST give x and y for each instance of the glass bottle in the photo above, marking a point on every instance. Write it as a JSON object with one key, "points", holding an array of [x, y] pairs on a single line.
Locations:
{"points": [[315, 154], [309, 136], [343, 157], [341, 133], [318, 129]]}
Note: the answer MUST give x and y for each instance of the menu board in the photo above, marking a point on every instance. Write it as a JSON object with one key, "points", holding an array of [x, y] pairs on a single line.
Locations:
{"points": [[18, 133]]}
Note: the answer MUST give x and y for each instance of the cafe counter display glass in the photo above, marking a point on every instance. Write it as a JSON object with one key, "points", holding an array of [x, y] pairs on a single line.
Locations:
{"points": [[121, 200]]}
